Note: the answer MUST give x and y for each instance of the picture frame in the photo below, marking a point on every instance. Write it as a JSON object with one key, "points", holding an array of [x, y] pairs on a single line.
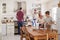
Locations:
{"points": [[4, 8]]}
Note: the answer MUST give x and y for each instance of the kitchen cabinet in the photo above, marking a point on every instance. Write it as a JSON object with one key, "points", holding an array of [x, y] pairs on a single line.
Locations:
{"points": [[8, 28], [4, 29]]}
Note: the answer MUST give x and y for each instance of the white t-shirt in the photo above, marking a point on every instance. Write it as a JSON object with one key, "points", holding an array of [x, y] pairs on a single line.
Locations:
{"points": [[35, 16], [40, 20], [48, 19]]}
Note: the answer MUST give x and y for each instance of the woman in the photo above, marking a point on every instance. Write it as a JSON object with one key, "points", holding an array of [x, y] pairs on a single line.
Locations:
{"points": [[35, 17], [41, 20]]}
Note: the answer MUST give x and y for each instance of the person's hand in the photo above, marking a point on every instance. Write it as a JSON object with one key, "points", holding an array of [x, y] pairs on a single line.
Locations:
{"points": [[49, 23]]}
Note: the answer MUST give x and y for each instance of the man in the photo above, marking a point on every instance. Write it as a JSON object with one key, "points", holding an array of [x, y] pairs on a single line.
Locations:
{"points": [[20, 18], [48, 20]]}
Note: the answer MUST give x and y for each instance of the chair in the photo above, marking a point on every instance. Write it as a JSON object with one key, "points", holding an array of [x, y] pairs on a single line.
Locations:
{"points": [[24, 33], [51, 35], [54, 35], [27, 34]]}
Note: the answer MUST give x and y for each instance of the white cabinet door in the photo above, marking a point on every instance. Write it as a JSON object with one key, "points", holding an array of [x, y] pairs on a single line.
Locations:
{"points": [[58, 20], [3, 29], [10, 28]]}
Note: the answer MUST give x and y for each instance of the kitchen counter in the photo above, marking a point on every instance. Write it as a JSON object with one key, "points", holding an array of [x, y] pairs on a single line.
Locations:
{"points": [[7, 28]]}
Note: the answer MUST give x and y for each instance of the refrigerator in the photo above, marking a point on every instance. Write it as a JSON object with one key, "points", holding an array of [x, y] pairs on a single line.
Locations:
{"points": [[58, 20]]}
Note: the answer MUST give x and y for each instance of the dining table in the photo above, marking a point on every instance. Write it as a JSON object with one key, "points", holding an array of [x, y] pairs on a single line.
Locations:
{"points": [[42, 33]]}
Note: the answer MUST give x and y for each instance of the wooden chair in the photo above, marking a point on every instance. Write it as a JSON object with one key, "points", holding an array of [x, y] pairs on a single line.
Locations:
{"points": [[27, 34], [53, 36], [24, 33]]}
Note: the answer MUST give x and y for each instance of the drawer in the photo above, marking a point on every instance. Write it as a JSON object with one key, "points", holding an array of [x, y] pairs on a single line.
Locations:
{"points": [[10, 27], [10, 31]]}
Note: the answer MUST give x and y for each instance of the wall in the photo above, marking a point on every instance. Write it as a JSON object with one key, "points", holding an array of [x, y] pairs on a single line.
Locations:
{"points": [[0, 16], [58, 20]]}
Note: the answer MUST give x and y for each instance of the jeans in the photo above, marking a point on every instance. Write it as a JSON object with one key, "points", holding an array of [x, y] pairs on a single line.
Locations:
{"points": [[20, 24], [34, 22]]}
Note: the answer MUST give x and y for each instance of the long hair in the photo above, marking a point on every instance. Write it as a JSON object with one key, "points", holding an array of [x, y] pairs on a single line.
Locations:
{"points": [[40, 16]]}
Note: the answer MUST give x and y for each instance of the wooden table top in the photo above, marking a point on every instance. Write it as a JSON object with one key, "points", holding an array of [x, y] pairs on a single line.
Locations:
{"points": [[39, 32]]}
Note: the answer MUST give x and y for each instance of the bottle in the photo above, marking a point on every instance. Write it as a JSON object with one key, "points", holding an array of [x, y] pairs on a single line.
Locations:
{"points": [[37, 25], [33, 23]]}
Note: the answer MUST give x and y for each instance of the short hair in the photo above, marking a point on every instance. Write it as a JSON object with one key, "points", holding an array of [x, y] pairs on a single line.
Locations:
{"points": [[20, 8], [47, 12]]}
